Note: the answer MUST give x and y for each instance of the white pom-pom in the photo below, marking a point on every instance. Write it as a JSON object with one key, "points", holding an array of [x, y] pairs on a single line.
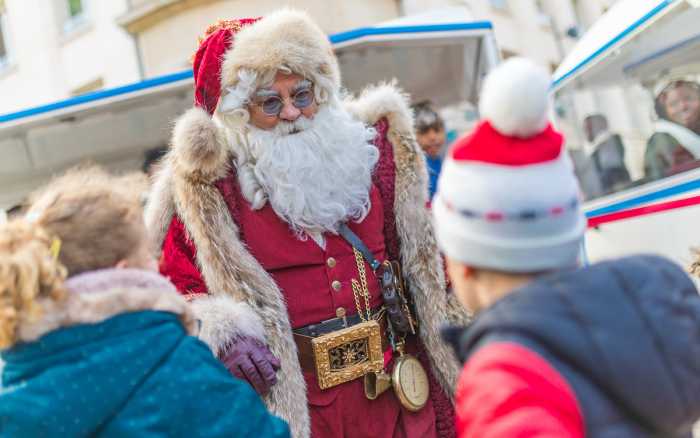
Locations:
{"points": [[515, 98]]}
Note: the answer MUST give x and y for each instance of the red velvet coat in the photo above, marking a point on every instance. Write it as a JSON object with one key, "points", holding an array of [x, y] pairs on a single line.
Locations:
{"points": [[316, 282]]}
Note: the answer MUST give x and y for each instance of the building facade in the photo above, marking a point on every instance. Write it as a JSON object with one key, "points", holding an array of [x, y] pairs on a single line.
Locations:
{"points": [[55, 49], [167, 31]]}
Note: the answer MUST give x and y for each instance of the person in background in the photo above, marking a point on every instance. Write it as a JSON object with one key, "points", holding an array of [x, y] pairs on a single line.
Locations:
{"points": [[430, 134], [675, 145], [607, 153], [94, 341], [554, 350]]}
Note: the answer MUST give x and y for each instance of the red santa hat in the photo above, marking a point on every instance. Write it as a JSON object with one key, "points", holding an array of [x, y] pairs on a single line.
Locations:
{"points": [[217, 40], [225, 72], [507, 198]]}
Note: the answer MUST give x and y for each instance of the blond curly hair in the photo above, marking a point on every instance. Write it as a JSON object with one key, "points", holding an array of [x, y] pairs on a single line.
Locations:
{"points": [[97, 216], [28, 272]]}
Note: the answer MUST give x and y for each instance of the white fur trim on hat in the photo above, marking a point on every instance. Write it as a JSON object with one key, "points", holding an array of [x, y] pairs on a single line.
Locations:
{"points": [[285, 38], [237, 96], [515, 98]]}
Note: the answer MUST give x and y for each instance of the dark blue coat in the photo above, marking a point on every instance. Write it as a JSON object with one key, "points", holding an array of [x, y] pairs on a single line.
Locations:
{"points": [[624, 334]]}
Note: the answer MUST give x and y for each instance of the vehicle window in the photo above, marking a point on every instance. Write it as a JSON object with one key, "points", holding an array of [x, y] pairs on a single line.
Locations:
{"points": [[628, 134]]}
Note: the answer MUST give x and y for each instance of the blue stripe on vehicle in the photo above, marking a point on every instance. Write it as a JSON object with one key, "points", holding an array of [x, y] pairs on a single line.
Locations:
{"points": [[98, 95], [371, 31], [643, 199], [660, 7], [175, 77]]}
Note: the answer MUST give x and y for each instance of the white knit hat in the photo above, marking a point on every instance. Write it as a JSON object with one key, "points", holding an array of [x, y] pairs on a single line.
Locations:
{"points": [[507, 196]]}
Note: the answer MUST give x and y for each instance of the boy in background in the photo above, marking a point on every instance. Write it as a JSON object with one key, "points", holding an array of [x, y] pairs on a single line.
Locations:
{"points": [[430, 134], [555, 350]]}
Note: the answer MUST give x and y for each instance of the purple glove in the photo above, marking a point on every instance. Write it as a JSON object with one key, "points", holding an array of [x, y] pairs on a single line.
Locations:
{"points": [[249, 359]]}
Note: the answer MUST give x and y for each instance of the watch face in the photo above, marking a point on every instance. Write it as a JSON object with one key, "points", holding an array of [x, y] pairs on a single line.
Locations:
{"points": [[412, 381]]}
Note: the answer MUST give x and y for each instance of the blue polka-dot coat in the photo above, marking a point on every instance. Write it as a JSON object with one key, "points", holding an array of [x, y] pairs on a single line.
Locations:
{"points": [[134, 373]]}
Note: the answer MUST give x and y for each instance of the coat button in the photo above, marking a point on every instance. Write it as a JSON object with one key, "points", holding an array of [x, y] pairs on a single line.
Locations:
{"points": [[336, 285], [330, 262]]}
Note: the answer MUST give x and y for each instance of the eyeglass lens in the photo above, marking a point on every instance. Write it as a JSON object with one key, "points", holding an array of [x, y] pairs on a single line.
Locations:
{"points": [[272, 106]]}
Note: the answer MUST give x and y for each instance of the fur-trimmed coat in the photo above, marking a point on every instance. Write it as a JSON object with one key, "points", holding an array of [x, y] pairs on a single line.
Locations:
{"points": [[115, 359], [243, 298]]}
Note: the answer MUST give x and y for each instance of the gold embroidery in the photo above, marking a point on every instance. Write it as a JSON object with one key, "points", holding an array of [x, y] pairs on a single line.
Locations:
{"points": [[233, 25]]}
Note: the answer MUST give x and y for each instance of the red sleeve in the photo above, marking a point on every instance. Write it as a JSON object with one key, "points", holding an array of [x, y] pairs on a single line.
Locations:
{"points": [[506, 390], [178, 261]]}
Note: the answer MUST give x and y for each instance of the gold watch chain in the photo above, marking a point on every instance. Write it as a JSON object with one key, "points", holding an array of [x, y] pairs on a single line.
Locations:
{"points": [[363, 289]]}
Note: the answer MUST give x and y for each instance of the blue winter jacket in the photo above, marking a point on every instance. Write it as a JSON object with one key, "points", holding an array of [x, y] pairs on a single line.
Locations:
{"points": [[624, 334], [134, 374]]}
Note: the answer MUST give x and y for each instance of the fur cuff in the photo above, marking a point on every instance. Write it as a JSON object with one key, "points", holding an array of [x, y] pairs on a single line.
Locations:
{"points": [[223, 318], [197, 147]]}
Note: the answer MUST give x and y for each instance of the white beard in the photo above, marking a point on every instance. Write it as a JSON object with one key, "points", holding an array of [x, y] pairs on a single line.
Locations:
{"points": [[316, 173]]}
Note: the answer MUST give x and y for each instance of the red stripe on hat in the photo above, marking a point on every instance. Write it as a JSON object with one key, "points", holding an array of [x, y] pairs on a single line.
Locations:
{"points": [[487, 145], [494, 216]]}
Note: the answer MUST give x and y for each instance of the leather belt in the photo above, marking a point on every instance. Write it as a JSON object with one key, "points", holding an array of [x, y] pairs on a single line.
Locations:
{"points": [[332, 325], [303, 337]]}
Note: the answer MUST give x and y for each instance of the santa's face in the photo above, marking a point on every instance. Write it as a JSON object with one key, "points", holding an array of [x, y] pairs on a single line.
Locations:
{"points": [[288, 98], [315, 171]]}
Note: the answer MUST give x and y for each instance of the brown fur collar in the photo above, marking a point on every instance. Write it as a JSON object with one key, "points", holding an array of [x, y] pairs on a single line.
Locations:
{"points": [[199, 157], [97, 296]]}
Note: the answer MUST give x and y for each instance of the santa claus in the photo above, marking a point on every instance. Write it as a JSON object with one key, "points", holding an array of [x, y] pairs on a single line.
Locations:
{"points": [[278, 210]]}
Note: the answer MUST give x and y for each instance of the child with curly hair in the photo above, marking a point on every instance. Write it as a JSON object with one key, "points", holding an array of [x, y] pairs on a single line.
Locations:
{"points": [[95, 342]]}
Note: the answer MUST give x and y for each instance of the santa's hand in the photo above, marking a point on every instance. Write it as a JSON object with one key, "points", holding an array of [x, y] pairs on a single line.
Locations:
{"points": [[249, 359]]}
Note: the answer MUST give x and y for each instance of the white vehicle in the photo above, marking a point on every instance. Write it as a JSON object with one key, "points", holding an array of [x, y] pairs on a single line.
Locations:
{"points": [[628, 99], [441, 55]]}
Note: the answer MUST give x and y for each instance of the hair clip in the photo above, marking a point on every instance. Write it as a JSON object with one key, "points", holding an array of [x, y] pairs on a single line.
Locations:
{"points": [[55, 248]]}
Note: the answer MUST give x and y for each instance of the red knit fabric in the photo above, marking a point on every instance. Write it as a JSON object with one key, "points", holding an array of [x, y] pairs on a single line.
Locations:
{"points": [[507, 390], [208, 59], [488, 145], [384, 177], [444, 410]]}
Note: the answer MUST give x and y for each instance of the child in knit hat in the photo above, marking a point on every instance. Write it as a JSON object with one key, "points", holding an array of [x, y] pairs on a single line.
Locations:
{"points": [[94, 341], [555, 349]]}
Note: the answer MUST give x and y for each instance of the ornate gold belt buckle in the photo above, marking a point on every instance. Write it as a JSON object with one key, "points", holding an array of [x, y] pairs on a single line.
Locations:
{"points": [[348, 354]]}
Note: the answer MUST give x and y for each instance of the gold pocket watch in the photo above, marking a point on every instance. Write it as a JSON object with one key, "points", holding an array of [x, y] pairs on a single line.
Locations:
{"points": [[410, 382]]}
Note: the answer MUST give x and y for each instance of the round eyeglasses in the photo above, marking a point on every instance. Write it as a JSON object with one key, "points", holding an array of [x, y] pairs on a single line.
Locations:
{"points": [[272, 105]]}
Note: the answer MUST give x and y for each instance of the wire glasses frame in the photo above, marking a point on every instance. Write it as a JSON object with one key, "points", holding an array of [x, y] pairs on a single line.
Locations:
{"points": [[273, 105]]}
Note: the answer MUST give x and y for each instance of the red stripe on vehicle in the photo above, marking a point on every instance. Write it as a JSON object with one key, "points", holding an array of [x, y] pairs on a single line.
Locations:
{"points": [[642, 211]]}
